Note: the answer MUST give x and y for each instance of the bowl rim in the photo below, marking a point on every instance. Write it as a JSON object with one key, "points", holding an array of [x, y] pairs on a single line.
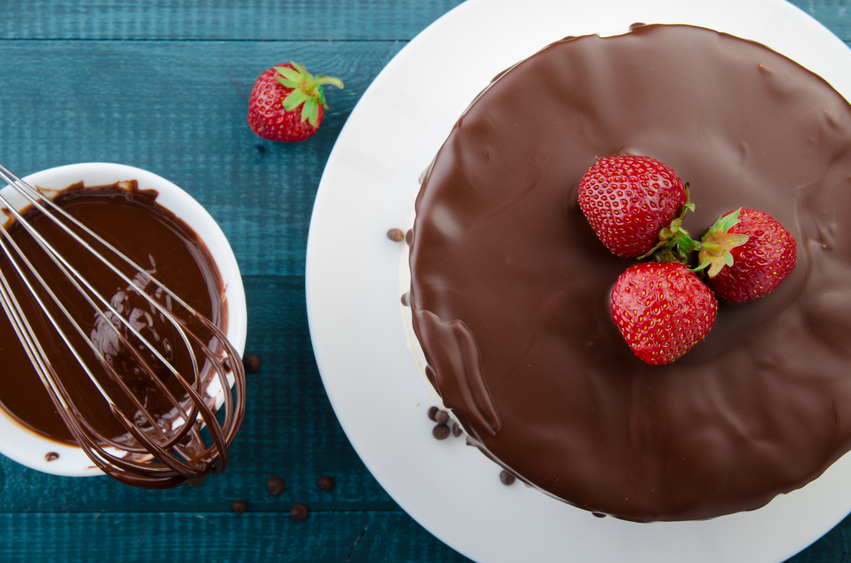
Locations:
{"points": [[29, 448]]}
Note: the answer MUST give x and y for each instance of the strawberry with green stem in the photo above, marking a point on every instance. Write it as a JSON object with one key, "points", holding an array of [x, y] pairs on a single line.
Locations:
{"points": [[747, 254], [629, 199], [287, 103]]}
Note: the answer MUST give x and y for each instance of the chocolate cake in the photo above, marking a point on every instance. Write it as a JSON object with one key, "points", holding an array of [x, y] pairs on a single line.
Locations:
{"points": [[510, 287]]}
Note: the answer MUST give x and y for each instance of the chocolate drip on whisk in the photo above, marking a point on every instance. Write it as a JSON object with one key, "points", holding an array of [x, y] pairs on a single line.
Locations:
{"points": [[147, 409]]}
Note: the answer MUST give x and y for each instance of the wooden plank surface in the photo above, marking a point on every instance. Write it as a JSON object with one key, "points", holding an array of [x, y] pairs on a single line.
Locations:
{"points": [[254, 20], [163, 86], [179, 110]]}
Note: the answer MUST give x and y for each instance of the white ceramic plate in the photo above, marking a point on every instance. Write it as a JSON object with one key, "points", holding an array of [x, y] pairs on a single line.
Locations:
{"points": [[28, 448], [353, 292]]}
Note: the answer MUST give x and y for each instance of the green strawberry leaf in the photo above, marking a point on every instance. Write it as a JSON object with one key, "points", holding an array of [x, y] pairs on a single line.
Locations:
{"points": [[300, 69], [290, 74], [286, 83], [728, 258], [295, 99], [310, 111], [714, 248], [306, 90]]}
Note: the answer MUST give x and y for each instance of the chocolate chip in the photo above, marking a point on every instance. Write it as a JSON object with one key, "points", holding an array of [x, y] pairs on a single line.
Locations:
{"points": [[456, 429], [298, 512], [599, 514], [275, 485], [326, 482], [197, 482], [506, 477], [239, 506], [432, 412], [396, 235], [440, 432], [441, 417], [51, 456], [252, 363]]}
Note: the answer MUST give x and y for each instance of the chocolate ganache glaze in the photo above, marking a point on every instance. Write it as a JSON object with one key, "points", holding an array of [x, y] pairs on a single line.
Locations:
{"points": [[161, 243], [510, 287]]}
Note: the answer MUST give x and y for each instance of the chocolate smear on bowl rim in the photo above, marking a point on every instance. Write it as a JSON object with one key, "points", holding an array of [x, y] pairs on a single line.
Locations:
{"points": [[170, 252]]}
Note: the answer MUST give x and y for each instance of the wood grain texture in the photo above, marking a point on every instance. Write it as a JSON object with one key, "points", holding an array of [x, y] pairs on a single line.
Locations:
{"points": [[179, 110], [833, 14], [388, 20], [194, 537], [290, 431]]}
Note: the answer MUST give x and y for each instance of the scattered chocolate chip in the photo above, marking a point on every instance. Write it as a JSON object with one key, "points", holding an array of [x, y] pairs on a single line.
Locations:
{"points": [[404, 300], [298, 512], [456, 429], [441, 417], [440, 432], [467, 441], [396, 235], [599, 514], [197, 482], [275, 485], [506, 477], [326, 482], [432, 412], [51, 456], [239, 506], [252, 363], [409, 237]]}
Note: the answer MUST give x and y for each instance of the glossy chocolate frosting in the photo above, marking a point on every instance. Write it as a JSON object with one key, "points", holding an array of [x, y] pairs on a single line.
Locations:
{"points": [[154, 238], [510, 286]]}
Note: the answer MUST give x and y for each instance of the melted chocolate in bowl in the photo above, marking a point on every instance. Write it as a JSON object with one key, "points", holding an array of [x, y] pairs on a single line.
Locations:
{"points": [[166, 248], [510, 286]]}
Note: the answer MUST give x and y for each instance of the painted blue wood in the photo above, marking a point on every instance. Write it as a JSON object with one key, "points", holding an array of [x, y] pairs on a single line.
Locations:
{"points": [[179, 110], [393, 20], [225, 20], [194, 537], [163, 85]]}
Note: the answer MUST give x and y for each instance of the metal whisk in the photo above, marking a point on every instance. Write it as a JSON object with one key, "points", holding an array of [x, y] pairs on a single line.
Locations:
{"points": [[160, 450]]}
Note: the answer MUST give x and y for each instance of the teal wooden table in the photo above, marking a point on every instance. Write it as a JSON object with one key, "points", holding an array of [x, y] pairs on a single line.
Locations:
{"points": [[164, 86]]}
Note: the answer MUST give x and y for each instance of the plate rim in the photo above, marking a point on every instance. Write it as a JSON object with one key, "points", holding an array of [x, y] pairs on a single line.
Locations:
{"points": [[316, 287]]}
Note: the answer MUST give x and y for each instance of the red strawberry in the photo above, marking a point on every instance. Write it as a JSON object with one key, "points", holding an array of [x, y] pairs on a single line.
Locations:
{"points": [[629, 199], [748, 253], [273, 108], [662, 310]]}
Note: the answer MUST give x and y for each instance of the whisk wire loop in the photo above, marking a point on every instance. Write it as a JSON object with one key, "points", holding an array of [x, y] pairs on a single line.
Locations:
{"points": [[157, 456]]}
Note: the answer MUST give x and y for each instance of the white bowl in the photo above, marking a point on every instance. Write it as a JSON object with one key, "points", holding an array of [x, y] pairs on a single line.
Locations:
{"points": [[29, 448]]}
